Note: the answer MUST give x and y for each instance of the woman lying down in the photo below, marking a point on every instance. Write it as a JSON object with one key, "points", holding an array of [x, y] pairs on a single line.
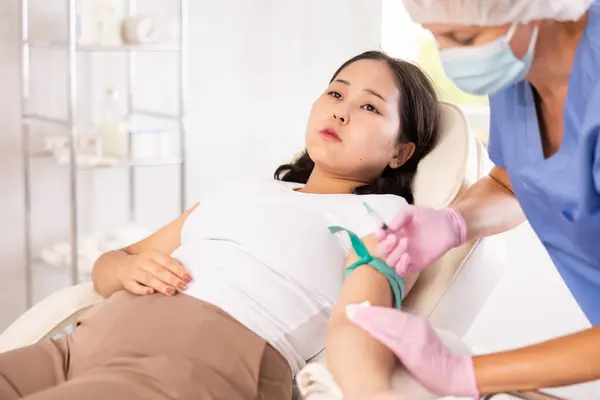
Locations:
{"points": [[232, 298]]}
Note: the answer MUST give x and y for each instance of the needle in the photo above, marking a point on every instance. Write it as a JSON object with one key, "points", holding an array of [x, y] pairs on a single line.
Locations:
{"points": [[376, 216]]}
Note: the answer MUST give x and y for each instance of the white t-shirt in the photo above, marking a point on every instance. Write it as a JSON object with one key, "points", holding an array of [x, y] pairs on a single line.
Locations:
{"points": [[263, 253]]}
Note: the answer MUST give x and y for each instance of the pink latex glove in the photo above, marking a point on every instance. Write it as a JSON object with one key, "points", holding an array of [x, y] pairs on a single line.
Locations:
{"points": [[420, 350], [418, 236]]}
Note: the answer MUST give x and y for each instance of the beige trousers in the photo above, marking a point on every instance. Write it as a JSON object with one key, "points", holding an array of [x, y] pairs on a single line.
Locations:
{"points": [[149, 347]]}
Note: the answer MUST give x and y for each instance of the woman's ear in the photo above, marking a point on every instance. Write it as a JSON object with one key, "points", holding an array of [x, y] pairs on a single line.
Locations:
{"points": [[402, 154]]}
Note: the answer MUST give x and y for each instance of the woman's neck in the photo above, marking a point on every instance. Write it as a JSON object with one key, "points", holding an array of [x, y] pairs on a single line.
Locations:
{"points": [[554, 54], [322, 182]]}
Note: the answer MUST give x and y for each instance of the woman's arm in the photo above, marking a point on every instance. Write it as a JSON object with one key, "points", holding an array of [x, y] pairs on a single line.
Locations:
{"points": [[143, 266], [359, 363], [490, 206]]}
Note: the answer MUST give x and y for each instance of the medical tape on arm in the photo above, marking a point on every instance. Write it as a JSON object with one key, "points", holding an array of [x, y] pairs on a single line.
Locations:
{"points": [[364, 257]]}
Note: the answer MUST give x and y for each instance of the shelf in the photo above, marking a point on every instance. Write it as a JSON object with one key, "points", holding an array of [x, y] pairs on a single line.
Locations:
{"points": [[160, 48], [42, 118], [155, 162], [106, 164], [142, 163], [155, 114], [46, 279], [136, 111]]}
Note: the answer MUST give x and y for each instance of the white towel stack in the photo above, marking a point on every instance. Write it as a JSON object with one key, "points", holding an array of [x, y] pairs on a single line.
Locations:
{"points": [[90, 248]]}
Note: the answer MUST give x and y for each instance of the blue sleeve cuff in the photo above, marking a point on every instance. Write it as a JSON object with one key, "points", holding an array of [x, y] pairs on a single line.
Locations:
{"points": [[494, 142]]}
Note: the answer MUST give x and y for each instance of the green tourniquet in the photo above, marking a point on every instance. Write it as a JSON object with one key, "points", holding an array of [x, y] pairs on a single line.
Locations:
{"points": [[395, 280]]}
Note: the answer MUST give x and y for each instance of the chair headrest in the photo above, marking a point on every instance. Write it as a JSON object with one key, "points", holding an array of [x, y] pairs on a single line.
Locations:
{"points": [[441, 174]]}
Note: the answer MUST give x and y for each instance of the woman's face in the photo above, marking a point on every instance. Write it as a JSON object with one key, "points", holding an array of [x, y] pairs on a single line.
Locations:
{"points": [[449, 36], [354, 125]]}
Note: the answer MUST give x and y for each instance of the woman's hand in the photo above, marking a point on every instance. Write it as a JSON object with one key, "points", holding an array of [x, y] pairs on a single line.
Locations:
{"points": [[152, 272]]}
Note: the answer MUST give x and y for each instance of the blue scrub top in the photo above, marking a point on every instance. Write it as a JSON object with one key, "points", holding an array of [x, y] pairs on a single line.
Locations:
{"points": [[560, 194]]}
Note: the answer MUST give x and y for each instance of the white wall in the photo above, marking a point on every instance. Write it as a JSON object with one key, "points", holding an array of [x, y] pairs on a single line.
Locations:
{"points": [[255, 67], [255, 74]]}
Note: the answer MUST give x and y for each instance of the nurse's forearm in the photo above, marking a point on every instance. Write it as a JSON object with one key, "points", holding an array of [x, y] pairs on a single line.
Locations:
{"points": [[489, 206], [559, 362]]}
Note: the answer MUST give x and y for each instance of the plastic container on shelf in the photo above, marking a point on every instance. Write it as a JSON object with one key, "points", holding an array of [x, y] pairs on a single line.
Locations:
{"points": [[113, 127], [99, 22]]}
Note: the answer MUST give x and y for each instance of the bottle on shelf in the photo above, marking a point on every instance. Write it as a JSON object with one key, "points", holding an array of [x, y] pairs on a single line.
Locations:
{"points": [[113, 127], [99, 22]]}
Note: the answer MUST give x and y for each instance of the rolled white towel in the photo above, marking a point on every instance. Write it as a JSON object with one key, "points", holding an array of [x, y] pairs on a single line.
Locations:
{"points": [[315, 382]]}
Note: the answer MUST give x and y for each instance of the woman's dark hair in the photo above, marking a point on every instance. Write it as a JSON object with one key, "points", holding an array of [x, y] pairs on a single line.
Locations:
{"points": [[420, 124]]}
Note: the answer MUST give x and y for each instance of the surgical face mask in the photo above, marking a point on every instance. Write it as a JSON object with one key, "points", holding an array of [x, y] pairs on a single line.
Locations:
{"points": [[486, 69]]}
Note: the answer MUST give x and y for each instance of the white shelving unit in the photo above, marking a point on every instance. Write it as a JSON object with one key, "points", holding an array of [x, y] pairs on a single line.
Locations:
{"points": [[71, 49]]}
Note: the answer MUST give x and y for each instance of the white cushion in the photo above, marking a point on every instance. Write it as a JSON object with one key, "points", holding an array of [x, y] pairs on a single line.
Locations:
{"points": [[441, 174], [49, 316]]}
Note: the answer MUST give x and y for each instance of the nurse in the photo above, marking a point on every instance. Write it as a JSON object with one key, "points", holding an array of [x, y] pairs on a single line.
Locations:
{"points": [[539, 60]]}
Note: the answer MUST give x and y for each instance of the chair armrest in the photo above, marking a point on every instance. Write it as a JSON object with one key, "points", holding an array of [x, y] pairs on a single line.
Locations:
{"points": [[49, 316], [533, 395]]}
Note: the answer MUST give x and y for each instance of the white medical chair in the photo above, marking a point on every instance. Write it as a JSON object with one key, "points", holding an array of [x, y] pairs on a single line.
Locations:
{"points": [[451, 292]]}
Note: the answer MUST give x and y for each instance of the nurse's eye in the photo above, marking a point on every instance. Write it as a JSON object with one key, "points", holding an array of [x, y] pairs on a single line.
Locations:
{"points": [[463, 40], [466, 42], [335, 94], [370, 108]]}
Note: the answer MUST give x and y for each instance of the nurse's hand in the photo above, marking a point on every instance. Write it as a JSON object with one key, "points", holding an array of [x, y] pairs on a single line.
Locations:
{"points": [[418, 236], [419, 349], [152, 272]]}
